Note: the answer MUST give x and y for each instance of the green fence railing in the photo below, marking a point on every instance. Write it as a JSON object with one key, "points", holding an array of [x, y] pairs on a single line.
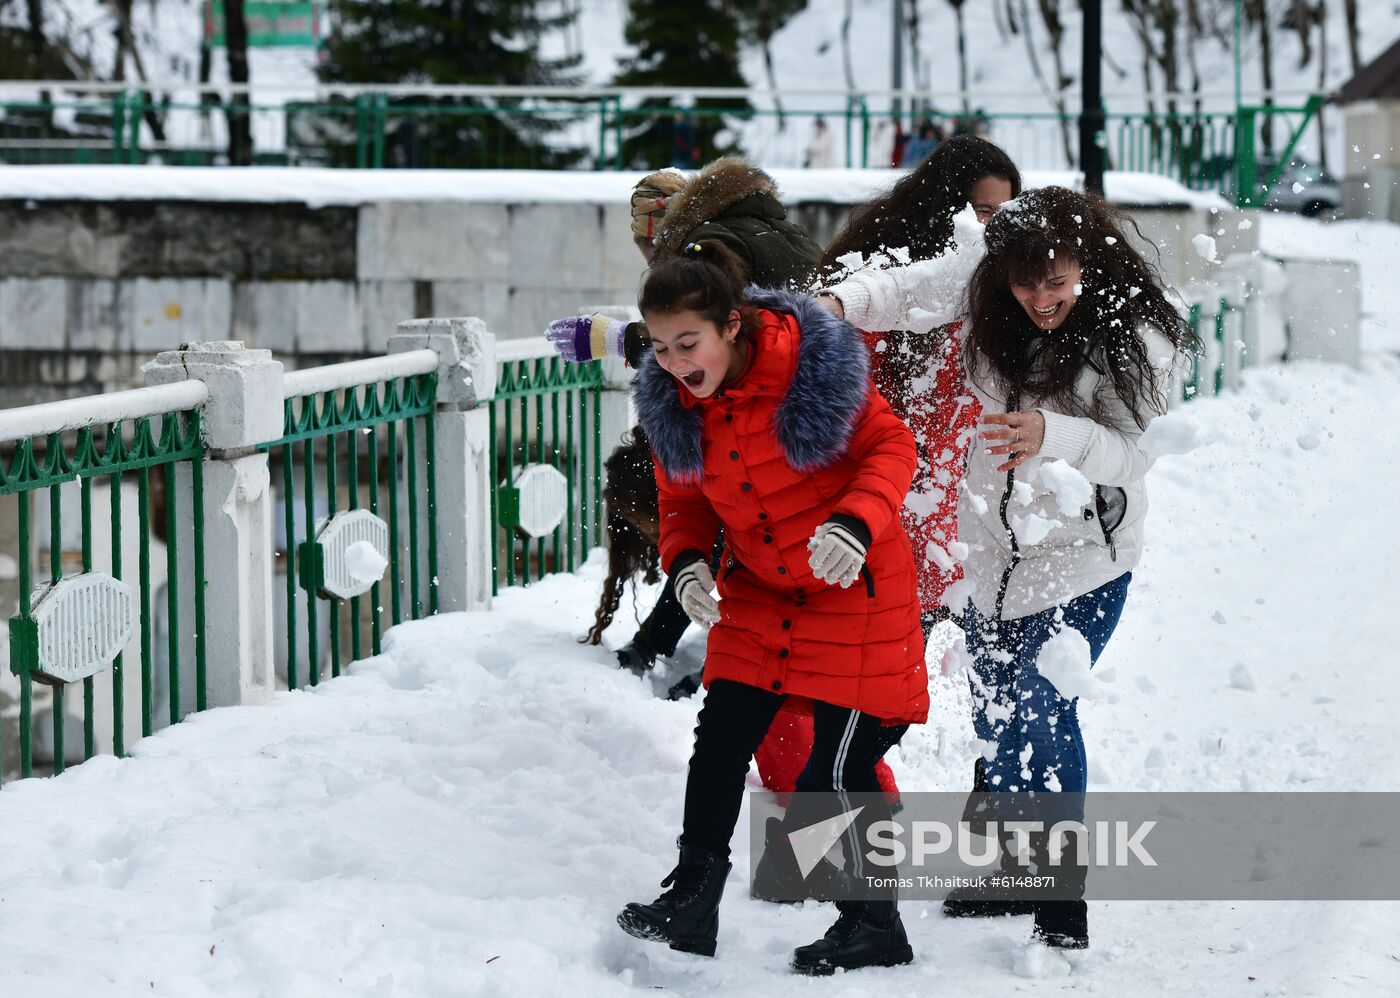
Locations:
{"points": [[480, 128], [1210, 368], [352, 446], [98, 466], [545, 412]]}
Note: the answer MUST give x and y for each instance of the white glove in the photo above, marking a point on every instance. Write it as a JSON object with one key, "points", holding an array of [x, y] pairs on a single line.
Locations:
{"points": [[837, 554], [692, 586]]}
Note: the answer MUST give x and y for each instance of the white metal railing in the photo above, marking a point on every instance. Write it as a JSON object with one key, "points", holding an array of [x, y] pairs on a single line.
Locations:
{"points": [[92, 410], [333, 377]]}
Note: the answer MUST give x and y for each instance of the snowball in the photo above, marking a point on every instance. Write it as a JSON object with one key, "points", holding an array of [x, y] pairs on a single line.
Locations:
{"points": [[1173, 433], [1110, 240], [924, 504], [1205, 247], [1218, 617], [364, 562], [958, 550], [853, 260], [1064, 661], [901, 255], [1309, 441], [1022, 493], [1032, 528], [1072, 490], [1245, 224], [935, 554], [1240, 677]]}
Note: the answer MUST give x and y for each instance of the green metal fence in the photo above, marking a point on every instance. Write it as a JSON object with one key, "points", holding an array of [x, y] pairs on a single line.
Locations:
{"points": [[628, 129], [1211, 365], [105, 462], [545, 412], [360, 446]]}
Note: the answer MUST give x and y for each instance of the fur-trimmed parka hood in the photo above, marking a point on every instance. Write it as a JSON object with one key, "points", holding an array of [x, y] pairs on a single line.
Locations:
{"points": [[822, 400], [709, 195]]}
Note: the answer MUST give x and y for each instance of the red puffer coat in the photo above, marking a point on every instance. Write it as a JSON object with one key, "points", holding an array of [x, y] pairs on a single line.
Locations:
{"points": [[920, 375], [800, 436]]}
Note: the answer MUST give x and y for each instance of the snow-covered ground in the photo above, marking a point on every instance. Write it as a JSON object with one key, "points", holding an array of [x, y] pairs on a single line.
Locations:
{"points": [[464, 814]]}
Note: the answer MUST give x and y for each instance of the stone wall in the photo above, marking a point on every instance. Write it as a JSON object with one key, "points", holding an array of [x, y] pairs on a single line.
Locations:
{"points": [[90, 290]]}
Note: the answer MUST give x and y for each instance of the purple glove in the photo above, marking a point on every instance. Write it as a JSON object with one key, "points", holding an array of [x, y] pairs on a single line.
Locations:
{"points": [[581, 338]]}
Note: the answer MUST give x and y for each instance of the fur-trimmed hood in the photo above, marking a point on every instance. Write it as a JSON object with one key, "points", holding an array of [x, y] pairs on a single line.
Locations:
{"points": [[822, 402], [708, 195]]}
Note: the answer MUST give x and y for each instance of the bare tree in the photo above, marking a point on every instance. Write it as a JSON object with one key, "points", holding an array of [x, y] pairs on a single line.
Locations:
{"points": [[122, 31], [1195, 35], [846, 46], [1257, 13], [240, 130], [1353, 34], [1050, 14], [957, 6]]}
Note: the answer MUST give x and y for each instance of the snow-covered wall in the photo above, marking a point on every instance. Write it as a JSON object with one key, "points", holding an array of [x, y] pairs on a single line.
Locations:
{"points": [[101, 267]]}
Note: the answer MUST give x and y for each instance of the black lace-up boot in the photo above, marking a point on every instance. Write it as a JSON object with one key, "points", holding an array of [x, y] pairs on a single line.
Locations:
{"points": [[975, 901], [686, 917], [866, 934]]}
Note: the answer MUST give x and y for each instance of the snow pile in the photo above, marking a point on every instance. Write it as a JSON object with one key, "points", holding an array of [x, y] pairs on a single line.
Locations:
{"points": [[466, 813]]}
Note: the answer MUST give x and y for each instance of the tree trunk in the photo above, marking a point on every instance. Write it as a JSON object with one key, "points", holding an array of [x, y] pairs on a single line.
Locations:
{"points": [[1195, 35], [1353, 33], [240, 131], [1050, 14], [846, 47], [1302, 24], [35, 36], [962, 55], [123, 39]]}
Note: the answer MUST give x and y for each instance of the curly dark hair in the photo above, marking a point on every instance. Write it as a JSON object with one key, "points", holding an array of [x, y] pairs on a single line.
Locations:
{"points": [[630, 494], [918, 211], [1120, 292]]}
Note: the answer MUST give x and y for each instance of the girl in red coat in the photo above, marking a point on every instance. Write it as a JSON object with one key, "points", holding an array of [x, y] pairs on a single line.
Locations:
{"points": [[763, 420]]}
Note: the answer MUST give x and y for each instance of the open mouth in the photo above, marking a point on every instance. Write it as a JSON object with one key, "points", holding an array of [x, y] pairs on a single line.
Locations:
{"points": [[694, 379], [1045, 313]]}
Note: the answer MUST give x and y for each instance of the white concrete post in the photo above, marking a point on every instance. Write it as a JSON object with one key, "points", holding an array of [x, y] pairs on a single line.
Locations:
{"points": [[462, 457], [244, 410]]}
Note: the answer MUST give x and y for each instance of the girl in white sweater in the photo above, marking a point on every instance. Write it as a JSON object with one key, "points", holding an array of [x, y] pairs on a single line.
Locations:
{"points": [[1070, 344]]}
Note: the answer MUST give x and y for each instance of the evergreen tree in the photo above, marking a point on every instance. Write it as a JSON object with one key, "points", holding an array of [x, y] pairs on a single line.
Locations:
{"points": [[484, 42], [692, 44]]}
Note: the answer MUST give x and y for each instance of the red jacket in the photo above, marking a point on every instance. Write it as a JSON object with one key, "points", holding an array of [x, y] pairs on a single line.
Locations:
{"points": [[800, 436], [927, 391]]}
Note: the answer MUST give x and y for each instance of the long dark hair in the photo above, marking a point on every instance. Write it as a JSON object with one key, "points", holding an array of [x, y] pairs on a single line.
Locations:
{"points": [[918, 212], [707, 278], [1120, 292], [630, 494]]}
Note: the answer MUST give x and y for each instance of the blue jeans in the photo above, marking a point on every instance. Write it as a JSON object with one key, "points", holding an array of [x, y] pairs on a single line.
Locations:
{"points": [[1035, 730]]}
